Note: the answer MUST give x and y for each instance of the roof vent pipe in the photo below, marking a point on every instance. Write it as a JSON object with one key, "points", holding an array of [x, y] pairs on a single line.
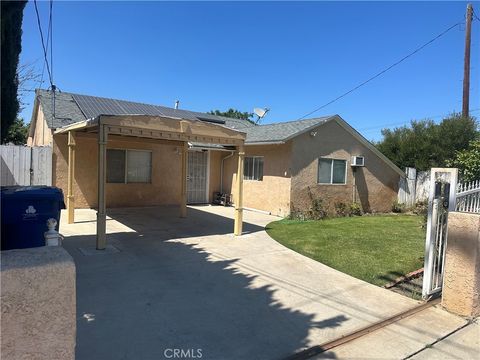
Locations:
{"points": [[176, 104]]}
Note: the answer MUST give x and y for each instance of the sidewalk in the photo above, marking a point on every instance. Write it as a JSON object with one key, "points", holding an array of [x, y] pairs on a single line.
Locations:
{"points": [[464, 344]]}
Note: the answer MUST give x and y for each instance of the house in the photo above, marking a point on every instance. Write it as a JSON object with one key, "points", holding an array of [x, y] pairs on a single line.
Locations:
{"points": [[285, 163]]}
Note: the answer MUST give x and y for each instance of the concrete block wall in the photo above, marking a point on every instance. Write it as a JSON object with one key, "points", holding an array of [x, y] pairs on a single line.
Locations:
{"points": [[38, 304]]}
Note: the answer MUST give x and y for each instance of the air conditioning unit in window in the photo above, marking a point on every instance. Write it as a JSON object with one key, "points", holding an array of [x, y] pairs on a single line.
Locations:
{"points": [[358, 161]]}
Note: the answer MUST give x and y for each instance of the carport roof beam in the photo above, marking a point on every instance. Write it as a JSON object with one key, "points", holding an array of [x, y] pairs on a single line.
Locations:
{"points": [[160, 127]]}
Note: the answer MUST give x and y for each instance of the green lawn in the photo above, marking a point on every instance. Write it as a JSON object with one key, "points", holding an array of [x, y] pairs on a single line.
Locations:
{"points": [[376, 248]]}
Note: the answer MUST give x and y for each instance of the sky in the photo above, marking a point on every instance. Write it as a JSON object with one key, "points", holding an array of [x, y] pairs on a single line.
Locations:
{"points": [[289, 57]]}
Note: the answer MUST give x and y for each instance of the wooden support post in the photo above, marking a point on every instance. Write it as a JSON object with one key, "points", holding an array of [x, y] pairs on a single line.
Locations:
{"points": [[239, 194], [102, 177], [183, 204], [71, 177]]}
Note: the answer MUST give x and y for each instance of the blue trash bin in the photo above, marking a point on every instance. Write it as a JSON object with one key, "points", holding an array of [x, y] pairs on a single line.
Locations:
{"points": [[25, 211]]}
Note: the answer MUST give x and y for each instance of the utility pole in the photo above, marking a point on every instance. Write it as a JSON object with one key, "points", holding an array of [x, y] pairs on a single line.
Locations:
{"points": [[466, 66]]}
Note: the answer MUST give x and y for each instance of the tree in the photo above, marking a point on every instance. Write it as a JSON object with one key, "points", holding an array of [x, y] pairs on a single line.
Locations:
{"points": [[425, 144], [234, 113], [11, 28], [17, 133], [468, 162]]}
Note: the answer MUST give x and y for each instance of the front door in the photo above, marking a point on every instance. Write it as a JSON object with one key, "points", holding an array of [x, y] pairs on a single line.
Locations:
{"points": [[197, 180]]}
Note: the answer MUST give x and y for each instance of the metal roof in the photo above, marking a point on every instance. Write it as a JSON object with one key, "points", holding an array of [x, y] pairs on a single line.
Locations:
{"points": [[71, 108]]}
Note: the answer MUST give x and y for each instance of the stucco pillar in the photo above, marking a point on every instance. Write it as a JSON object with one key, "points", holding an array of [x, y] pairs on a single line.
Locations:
{"points": [[71, 177], [237, 231], [102, 177], [461, 284], [183, 204]]}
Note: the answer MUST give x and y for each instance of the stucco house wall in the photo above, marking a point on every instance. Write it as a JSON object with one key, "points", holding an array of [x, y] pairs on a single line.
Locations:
{"points": [[272, 194], [165, 188], [376, 182]]}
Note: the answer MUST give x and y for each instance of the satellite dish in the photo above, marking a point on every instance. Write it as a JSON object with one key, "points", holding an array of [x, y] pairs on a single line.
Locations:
{"points": [[260, 112]]}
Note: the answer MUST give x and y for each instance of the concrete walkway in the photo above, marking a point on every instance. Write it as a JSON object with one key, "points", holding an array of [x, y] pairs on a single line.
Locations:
{"points": [[170, 283]]}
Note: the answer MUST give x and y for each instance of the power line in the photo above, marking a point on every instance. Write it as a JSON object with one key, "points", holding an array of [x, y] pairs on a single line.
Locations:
{"points": [[50, 30], [48, 43], [383, 71], [43, 42]]}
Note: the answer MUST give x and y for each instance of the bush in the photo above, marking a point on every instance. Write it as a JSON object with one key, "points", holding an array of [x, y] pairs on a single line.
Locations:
{"points": [[341, 209], [421, 208], [397, 207], [355, 209], [317, 210]]}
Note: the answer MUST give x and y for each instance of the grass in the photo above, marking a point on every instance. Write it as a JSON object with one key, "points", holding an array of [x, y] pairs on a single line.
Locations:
{"points": [[376, 249]]}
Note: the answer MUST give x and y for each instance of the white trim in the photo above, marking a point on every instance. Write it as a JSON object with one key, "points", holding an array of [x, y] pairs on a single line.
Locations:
{"points": [[331, 171]]}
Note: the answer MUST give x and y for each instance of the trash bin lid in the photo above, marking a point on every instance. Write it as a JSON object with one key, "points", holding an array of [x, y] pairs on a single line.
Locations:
{"points": [[32, 192]]}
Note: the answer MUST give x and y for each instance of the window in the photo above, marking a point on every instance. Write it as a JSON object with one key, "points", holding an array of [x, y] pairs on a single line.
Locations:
{"points": [[129, 166], [332, 171], [253, 168]]}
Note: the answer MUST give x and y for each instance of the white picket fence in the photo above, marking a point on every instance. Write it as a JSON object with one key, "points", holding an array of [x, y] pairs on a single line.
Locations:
{"points": [[24, 165], [468, 197]]}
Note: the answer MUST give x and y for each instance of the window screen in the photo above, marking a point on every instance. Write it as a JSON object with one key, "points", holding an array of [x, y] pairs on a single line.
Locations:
{"points": [[332, 171], [339, 169], [324, 171], [115, 166], [139, 166], [253, 168], [129, 166]]}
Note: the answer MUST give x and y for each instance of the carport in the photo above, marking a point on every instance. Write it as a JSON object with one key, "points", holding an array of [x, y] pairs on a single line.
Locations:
{"points": [[149, 127]]}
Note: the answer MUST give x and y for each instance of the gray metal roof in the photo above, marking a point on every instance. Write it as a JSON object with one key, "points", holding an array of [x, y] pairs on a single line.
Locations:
{"points": [[71, 108]]}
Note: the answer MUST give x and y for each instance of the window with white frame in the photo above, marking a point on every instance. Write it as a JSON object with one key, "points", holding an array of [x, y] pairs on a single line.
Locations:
{"points": [[332, 171], [253, 168], [129, 166]]}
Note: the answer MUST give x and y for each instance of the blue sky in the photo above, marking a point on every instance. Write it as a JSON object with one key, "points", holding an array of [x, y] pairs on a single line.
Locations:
{"points": [[290, 57]]}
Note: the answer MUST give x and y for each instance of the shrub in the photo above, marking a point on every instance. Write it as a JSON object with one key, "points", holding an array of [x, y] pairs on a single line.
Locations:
{"points": [[421, 208], [397, 207], [317, 210], [341, 209], [355, 209]]}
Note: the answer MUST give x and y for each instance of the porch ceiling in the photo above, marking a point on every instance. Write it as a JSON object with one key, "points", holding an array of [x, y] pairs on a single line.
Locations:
{"points": [[159, 127]]}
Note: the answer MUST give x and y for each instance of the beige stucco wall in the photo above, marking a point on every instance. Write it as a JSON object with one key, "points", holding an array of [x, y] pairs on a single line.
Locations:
{"points": [[38, 304], [377, 183], [164, 189], [39, 133], [273, 193], [461, 286]]}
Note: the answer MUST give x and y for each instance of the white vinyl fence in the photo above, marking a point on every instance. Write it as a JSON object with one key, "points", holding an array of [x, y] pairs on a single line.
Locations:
{"points": [[468, 197], [24, 165]]}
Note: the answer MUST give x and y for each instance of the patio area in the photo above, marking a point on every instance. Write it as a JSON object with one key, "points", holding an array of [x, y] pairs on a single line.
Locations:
{"points": [[167, 283]]}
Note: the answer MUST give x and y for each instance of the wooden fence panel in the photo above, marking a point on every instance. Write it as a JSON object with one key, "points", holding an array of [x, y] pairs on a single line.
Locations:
{"points": [[42, 165], [23, 165]]}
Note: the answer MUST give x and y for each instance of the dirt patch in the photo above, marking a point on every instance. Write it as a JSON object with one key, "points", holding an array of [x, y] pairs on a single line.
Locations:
{"points": [[410, 287]]}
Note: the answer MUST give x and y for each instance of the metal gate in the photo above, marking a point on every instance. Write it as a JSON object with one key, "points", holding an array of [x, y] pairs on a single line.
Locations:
{"points": [[197, 177], [441, 200]]}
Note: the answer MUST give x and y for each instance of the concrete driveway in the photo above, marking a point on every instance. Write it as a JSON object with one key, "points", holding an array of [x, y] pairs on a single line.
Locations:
{"points": [[169, 285]]}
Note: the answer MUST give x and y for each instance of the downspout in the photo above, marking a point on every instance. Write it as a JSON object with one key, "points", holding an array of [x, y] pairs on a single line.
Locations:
{"points": [[221, 170]]}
